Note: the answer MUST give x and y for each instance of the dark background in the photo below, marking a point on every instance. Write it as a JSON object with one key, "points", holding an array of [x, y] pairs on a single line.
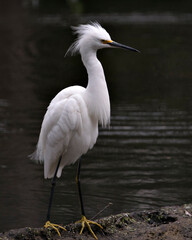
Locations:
{"points": [[144, 160]]}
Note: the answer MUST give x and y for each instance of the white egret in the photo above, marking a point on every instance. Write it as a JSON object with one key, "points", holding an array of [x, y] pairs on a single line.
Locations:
{"points": [[70, 125]]}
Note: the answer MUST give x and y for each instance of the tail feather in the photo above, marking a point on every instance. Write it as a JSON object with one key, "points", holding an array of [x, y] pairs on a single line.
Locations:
{"points": [[37, 156]]}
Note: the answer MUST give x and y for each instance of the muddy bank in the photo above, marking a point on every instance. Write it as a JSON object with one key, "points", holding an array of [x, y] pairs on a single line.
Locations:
{"points": [[166, 223]]}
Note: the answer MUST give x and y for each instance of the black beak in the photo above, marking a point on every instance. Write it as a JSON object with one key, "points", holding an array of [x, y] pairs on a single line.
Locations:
{"points": [[119, 45]]}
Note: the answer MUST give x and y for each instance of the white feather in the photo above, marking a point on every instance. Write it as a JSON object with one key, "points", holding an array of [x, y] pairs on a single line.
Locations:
{"points": [[70, 125], [87, 33]]}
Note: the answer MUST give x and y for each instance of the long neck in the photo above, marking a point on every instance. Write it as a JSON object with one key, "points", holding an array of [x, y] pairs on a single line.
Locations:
{"points": [[96, 91]]}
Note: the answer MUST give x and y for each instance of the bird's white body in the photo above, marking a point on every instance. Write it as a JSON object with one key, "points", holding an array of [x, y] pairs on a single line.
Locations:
{"points": [[70, 125]]}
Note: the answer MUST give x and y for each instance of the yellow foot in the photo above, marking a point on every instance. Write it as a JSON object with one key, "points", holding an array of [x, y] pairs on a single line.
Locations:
{"points": [[88, 222], [56, 227]]}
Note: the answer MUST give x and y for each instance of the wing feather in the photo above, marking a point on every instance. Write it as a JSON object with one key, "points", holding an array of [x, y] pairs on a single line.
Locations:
{"points": [[67, 130], [61, 133], [60, 122]]}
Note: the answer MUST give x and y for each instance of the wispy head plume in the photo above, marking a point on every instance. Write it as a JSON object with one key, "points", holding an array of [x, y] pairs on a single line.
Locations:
{"points": [[81, 31]]}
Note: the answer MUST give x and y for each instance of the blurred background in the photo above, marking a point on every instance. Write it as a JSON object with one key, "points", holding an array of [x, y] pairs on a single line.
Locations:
{"points": [[144, 160]]}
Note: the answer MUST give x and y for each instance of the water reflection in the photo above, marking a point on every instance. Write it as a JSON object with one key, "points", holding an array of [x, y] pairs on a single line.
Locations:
{"points": [[143, 160]]}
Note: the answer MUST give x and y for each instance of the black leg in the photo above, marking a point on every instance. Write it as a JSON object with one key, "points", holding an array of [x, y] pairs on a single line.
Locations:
{"points": [[84, 220], [79, 187], [52, 189]]}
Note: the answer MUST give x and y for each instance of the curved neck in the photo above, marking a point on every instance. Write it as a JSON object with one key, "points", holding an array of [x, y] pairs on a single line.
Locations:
{"points": [[96, 91], [94, 68]]}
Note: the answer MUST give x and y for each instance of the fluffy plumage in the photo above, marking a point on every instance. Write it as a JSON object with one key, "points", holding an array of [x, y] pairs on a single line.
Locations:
{"points": [[87, 33], [70, 125]]}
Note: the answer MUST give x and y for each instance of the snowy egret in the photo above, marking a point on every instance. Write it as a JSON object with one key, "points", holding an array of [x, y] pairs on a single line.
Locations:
{"points": [[70, 125]]}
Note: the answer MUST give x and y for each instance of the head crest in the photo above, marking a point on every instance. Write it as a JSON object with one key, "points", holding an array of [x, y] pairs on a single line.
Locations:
{"points": [[82, 31]]}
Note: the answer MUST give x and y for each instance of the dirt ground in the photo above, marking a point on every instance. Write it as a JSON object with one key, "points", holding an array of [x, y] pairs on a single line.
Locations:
{"points": [[168, 223]]}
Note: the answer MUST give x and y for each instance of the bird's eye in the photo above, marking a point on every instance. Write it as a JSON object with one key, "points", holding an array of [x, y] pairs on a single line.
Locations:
{"points": [[105, 41]]}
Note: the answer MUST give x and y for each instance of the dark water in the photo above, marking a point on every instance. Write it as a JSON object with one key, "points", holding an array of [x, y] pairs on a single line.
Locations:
{"points": [[144, 160]]}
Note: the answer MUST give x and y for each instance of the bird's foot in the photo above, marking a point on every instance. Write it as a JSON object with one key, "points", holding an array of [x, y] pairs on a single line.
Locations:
{"points": [[84, 221], [56, 227]]}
